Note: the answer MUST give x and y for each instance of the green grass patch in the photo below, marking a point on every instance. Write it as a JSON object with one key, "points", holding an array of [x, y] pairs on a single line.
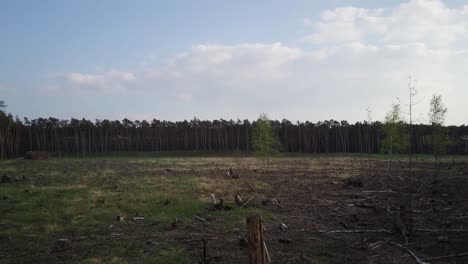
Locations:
{"points": [[80, 200]]}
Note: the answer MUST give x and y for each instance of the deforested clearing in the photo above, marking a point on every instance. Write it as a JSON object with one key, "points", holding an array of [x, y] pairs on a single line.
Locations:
{"points": [[156, 209]]}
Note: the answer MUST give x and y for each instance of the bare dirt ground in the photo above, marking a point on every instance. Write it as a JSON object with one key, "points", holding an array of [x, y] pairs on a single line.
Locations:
{"points": [[358, 202], [316, 209]]}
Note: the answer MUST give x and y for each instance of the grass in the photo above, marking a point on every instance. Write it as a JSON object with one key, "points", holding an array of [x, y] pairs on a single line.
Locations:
{"points": [[80, 200]]}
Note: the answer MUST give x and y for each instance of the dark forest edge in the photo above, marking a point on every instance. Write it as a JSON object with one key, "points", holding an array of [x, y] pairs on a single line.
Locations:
{"points": [[81, 138], [188, 154]]}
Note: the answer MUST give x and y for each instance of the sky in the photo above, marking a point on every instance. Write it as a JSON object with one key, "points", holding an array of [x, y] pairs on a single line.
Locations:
{"points": [[176, 60]]}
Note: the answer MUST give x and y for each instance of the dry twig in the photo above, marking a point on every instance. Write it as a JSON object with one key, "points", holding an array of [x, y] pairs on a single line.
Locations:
{"points": [[351, 231], [251, 198], [448, 256], [418, 260], [200, 218]]}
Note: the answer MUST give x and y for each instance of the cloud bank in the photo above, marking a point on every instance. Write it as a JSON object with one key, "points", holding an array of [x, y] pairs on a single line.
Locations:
{"points": [[351, 59]]}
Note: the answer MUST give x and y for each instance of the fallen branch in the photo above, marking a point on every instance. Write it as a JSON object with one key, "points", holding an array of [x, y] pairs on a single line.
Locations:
{"points": [[366, 206], [448, 256], [251, 187], [266, 252], [382, 231], [385, 191], [422, 212], [375, 245], [307, 258], [441, 230], [351, 231], [200, 218], [204, 260], [418, 260], [250, 199]]}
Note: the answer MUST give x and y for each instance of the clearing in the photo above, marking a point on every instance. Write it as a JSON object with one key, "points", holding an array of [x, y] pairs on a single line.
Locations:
{"points": [[316, 209]]}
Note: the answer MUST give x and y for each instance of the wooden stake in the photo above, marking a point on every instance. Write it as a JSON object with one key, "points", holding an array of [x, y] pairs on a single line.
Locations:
{"points": [[238, 199], [204, 259], [213, 200], [257, 252]]}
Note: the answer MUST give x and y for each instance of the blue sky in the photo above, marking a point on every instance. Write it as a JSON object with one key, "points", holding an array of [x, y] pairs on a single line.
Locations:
{"points": [[301, 60]]}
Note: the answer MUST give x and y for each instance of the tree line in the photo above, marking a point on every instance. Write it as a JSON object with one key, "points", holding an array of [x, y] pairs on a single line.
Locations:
{"points": [[81, 137]]}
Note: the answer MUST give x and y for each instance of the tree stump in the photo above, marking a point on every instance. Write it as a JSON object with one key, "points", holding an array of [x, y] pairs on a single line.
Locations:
{"points": [[213, 200], [256, 245], [36, 155], [406, 215], [238, 200], [404, 220]]}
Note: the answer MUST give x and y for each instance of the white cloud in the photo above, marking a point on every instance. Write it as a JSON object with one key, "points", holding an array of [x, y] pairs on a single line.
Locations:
{"points": [[362, 58], [427, 21], [346, 24], [111, 81], [248, 60]]}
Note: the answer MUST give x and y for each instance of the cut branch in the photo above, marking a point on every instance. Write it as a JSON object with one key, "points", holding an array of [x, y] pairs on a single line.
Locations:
{"points": [[448, 256], [250, 199], [418, 260]]}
